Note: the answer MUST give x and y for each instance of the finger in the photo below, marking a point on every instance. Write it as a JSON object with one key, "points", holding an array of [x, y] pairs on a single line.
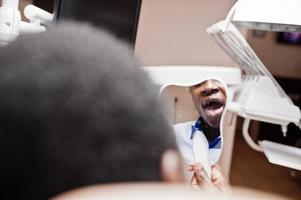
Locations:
{"points": [[193, 180], [198, 166], [190, 168], [200, 172], [202, 182], [200, 175], [219, 185], [216, 166], [216, 174], [194, 183], [217, 178], [217, 182]]}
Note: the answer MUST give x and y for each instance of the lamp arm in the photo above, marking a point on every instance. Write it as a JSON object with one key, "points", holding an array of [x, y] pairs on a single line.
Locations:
{"points": [[10, 3], [230, 16], [34, 13], [247, 137], [26, 27]]}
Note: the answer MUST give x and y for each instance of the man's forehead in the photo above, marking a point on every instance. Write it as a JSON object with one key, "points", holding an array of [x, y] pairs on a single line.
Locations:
{"points": [[204, 83]]}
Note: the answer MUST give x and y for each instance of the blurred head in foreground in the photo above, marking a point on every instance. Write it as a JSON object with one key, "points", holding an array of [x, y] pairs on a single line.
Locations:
{"points": [[75, 110], [150, 191]]}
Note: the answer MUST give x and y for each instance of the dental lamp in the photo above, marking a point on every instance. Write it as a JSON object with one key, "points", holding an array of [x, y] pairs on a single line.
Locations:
{"points": [[268, 15], [11, 25]]}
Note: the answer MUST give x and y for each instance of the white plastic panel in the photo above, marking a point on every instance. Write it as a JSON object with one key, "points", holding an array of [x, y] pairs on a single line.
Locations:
{"points": [[190, 75], [281, 154], [273, 15]]}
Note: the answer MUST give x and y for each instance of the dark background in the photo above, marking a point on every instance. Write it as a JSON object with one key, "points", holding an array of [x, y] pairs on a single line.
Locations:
{"points": [[288, 38], [117, 16], [273, 132]]}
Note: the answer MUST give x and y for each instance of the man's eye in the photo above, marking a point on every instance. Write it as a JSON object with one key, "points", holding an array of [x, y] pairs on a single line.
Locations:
{"points": [[209, 92], [205, 93]]}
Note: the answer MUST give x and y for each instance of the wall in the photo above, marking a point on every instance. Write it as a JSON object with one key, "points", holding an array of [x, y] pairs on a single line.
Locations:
{"points": [[178, 103], [282, 60], [173, 32]]}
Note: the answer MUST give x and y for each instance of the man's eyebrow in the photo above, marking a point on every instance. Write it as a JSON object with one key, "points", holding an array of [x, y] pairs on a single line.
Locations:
{"points": [[223, 90]]}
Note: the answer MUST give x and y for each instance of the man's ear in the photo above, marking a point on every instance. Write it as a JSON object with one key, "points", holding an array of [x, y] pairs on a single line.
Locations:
{"points": [[172, 167]]}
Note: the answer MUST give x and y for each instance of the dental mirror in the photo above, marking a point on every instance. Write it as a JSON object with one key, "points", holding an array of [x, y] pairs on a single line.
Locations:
{"points": [[197, 111]]}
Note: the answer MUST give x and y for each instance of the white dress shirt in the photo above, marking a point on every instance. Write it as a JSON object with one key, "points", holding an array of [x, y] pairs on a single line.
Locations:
{"points": [[184, 140]]}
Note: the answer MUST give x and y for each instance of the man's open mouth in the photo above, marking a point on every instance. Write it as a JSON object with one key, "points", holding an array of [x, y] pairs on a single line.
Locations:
{"points": [[213, 104]]}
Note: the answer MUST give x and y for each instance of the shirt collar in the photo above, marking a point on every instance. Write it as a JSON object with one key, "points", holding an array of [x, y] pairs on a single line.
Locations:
{"points": [[197, 126], [214, 143]]}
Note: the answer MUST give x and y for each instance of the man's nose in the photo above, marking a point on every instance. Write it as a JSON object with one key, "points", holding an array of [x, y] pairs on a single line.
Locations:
{"points": [[210, 91]]}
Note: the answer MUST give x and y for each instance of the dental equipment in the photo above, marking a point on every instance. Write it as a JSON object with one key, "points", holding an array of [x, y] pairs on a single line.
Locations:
{"points": [[269, 15], [257, 96], [260, 97], [11, 25]]}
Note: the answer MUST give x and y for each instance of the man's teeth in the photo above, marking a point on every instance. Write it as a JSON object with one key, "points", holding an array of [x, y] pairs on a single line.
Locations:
{"points": [[213, 105]]}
